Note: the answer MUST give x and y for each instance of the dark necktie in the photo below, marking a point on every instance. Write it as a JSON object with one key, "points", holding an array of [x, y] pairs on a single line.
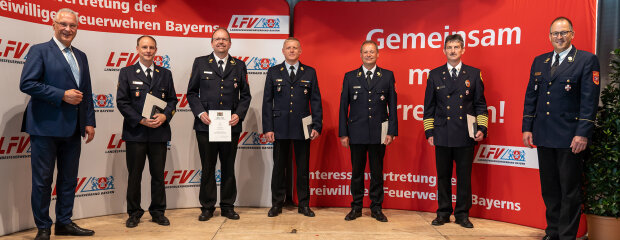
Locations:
{"points": [[292, 73], [149, 79], [368, 74], [454, 74], [221, 63], [556, 63]]}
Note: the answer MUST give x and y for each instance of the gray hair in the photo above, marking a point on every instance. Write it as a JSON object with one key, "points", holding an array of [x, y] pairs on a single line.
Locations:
{"points": [[66, 10]]}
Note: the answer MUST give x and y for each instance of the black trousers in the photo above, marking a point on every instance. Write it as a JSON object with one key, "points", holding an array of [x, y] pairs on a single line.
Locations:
{"points": [[463, 157], [281, 150], [136, 157], [358, 163], [209, 151], [560, 180]]}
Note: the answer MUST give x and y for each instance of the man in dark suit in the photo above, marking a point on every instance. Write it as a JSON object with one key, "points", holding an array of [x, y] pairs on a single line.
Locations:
{"points": [[453, 91], [368, 99], [558, 117], [218, 82], [60, 110], [296, 83], [145, 136]]}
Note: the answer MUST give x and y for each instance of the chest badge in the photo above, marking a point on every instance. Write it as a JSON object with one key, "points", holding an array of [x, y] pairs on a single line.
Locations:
{"points": [[137, 94], [306, 91], [467, 83], [235, 84], [467, 92], [163, 95], [355, 96], [567, 88], [535, 87], [382, 97], [279, 88]]}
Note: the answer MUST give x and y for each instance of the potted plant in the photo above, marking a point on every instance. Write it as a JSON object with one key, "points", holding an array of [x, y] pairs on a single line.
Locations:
{"points": [[602, 169]]}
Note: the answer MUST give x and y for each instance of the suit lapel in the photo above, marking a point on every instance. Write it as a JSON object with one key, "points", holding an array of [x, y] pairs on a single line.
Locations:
{"points": [[460, 79], [361, 78], [566, 64], [212, 62], [546, 71], [156, 77], [376, 78], [140, 74], [229, 66], [80, 61], [60, 56], [300, 72]]}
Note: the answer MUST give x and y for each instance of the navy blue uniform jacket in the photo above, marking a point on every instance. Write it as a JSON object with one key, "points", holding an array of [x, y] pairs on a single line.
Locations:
{"points": [[363, 108], [560, 107], [286, 101], [130, 96]]}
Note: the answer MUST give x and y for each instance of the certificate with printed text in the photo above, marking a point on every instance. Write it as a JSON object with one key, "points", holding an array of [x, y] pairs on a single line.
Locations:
{"points": [[220, 129]]}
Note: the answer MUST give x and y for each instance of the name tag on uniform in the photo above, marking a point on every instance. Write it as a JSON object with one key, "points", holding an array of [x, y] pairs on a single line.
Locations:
{"points": [[355, 87], [279, 80], [440, 87], [208, 72], [137, 82], [537, 73], [305, 81]]}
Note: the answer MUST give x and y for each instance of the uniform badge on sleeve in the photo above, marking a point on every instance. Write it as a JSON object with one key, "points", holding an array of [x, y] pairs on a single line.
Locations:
{"points": [[467, 83], [567, 88], [595, 77]]}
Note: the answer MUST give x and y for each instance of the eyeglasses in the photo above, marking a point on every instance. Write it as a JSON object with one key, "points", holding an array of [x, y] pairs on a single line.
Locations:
{"points": [[562, 33], [220, 39], [64, 25]]}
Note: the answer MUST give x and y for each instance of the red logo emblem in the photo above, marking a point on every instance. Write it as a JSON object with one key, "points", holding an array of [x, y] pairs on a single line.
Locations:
{"points": [[102, 100], [271, 23], [102, 183], [264, 63], [595, 77]]}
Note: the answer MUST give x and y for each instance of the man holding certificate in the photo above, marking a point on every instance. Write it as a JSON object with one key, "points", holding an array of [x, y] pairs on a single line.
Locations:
{"points": [[147, 100], [368, 122], [291, 92], [454, 93], [219, 96]]}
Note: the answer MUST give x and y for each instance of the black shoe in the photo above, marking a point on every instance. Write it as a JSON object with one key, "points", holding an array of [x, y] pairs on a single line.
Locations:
{"points": [[161, 220], [306, 211], [230, 214], [439, 220], [132, 221], [72, 229], [378, 214], [43, 234], [464, 222], [205, 215], [353, 214], [274, 211], [547, 237]]}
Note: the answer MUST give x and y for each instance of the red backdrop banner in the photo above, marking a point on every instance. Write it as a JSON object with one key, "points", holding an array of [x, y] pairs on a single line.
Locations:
{"points": [[501, 38]]}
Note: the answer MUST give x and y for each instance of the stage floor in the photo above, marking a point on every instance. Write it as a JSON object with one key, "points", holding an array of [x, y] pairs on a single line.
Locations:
{"points": [[329, 223]]}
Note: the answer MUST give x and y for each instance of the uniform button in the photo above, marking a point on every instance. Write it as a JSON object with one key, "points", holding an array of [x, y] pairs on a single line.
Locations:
{"points": [[547, 113], [549, 83], [222, 80], [291, 87], [291, 95], [369, 116], [448, 96], [222, 87], [460, 117], [291, 110], [291, 103], [461, 96], [448, 118], [151, 92], [567, 80], [548, 93], [369, 108], [369, 100], [369, 91], [547, 103], [461, 107], [448, 107], [220, 103], [221, 95]]}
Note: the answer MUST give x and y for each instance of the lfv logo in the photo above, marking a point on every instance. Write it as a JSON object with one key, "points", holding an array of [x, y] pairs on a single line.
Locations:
{"points": [[183, 104], [507, 156], [253, 140], [187, 176], [115, 144], [162, 61], [258, 63], [13, 49], [258, 24], [91, 184], [14, 147], [122, 59]]}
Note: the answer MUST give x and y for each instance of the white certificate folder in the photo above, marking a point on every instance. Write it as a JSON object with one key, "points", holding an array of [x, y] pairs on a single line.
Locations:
{"points": [[220, 129], [472, 126], [152, 106], [307, 126]]}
